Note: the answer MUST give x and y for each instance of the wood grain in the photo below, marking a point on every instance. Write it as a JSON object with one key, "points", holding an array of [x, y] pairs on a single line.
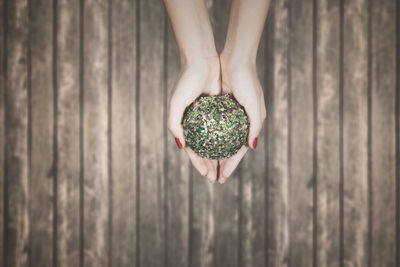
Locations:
{"points": [[202, 223], [152, 178], [96, 220], [252, 189], [177, 170], [42, 162], [2, 131], [278, 134], [16, 137], [301, 131], [226, 216], [355, 131], [383, 133], [68, 166], [328, 175], [123, 134], [143, 202]]}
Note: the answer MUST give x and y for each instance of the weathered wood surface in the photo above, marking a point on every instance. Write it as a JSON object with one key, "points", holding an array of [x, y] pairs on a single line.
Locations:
{"points": [[123, 237], [91, 177], [328, 132], [383, 189], [2, 131], [302, 170], [226, 230], [202, 217], [355, 133], [152, 176], [277, 236], [68, 134], [95, 134], [177, 169], [41, 129], [16, 185]]}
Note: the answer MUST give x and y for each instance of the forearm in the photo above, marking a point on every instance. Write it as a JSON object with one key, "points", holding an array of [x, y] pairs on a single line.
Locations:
{"points": [[245, 28], [192, 29]]}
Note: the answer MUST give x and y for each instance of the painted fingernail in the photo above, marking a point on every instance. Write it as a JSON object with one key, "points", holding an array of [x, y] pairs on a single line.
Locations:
{"points": [[178, 143], [222, 180], [255, 143]]}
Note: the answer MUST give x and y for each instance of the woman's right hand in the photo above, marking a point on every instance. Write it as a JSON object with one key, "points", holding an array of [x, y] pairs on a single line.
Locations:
{"points": [[195, 78]]}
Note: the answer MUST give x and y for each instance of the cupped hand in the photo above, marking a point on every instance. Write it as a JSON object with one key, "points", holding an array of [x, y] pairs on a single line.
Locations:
{"points": [[240, 79], [196, 78]]}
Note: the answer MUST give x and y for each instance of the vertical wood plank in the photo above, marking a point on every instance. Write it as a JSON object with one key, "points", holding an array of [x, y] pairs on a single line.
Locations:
{"points": [[123, 133], [383, 133], [68, 133], [16, 116], [226, 196], [201, 217], [252, 202], [328, 98], [301, 131], [278, 134], [152, 178], [177, 171], [2, 131], [42, 171], [203, 222], [96, 240], [355, 130]]}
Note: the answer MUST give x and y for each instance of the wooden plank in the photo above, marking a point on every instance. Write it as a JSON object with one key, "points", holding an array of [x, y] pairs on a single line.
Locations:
{"points": [[123, 134], [301, 131], [177, 172], [355, 130], [226, 196], [383, 133], [328, 133], [2, 131], [202, 229], [277, 198], [68, 133], [16, 154], [201, 220], [96, 209], [152, 178], [42, 169], [252, 204]]}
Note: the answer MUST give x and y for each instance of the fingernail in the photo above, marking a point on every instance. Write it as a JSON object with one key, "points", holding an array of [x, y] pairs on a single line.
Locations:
{"points": [[178, 143], [211, 181], [222, 180], [255, 143]]}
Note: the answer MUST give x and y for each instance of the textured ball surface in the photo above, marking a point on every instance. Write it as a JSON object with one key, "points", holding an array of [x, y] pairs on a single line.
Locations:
{"points": [[215, 127]]}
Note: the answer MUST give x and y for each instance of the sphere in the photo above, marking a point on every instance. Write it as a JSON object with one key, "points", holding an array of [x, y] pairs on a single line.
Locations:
{"points": [[215, 127]]}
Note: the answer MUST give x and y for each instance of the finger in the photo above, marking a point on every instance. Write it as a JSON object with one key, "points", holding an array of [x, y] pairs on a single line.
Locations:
{"points": [[212, 170], [176, 110], [198, 162], [228, 165], [255, 127]]}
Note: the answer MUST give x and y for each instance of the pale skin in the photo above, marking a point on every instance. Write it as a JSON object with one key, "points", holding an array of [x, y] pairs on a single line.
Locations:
{"points": [[203, 71]]}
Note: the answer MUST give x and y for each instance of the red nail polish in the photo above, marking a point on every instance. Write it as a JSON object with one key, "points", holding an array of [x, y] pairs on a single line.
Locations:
{"points": [[255, 143], [178, 143]]}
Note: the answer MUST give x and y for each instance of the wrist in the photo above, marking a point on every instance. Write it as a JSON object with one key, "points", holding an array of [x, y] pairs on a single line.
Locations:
{"points": [[201, 59], [201, 63], [232, 60]]}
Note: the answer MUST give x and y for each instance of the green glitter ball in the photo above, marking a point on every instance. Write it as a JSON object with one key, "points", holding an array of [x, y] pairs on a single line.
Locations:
{"points": [[215, 127]]}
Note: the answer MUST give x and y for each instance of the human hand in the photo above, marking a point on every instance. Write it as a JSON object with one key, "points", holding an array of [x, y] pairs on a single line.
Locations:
{"points": [[239, 77], [196, 78]]}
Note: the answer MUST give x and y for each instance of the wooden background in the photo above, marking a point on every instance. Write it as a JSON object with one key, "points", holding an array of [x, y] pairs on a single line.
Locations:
{"points": [[91, 177]]}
